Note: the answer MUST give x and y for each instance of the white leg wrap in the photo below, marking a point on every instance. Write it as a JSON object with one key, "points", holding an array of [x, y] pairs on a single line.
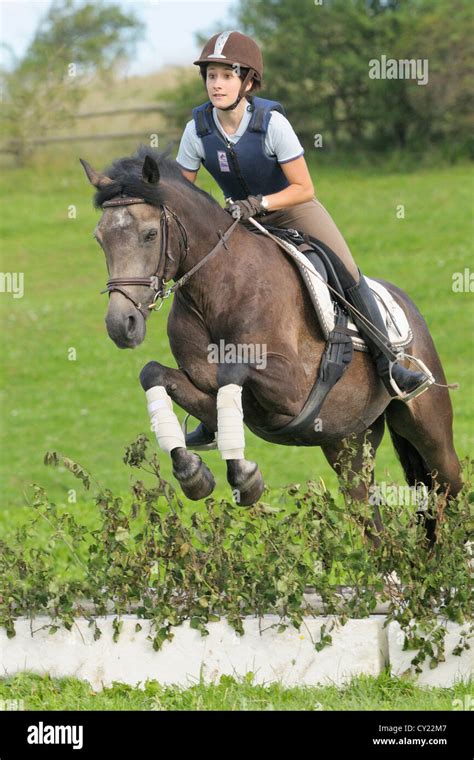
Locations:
{"points": [[164, 422], [230, 426]]}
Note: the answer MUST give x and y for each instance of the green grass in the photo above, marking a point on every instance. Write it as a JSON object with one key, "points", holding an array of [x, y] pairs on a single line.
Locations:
{"points": [[362, 693], [92, 407]]}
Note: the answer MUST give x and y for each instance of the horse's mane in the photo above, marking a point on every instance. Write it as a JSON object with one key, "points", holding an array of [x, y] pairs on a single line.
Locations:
{"points": [[127, 175]]}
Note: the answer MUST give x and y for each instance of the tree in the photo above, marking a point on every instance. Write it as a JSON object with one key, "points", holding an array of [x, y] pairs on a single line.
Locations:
{"points": [[73, 42], [317, 56]]}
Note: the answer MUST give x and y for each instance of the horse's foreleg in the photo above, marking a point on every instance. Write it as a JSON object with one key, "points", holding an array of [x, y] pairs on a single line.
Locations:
{"points": [[244, 476], [162, 386], [183, 392]]}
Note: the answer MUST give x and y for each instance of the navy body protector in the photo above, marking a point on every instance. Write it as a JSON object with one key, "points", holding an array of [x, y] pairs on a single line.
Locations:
{"points": [[242, 168]]}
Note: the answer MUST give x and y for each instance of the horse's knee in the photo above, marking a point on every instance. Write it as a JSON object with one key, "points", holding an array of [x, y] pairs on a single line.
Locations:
{"points": [[236, 374], [152, 374]]}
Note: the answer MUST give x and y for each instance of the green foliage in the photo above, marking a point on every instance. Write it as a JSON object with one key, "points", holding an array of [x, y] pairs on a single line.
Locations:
{"points": [[316, 59], [170, 564], [44, 88], [92, 35]]}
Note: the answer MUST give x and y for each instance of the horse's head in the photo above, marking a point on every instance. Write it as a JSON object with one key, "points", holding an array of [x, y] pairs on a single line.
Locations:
{"points": [[141, 247]]}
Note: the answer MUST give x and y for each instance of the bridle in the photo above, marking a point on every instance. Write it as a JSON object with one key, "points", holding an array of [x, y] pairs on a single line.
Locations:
{"points": [[155, 282]]}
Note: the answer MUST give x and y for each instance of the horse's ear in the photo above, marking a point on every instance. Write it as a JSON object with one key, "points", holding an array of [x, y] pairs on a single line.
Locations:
{"points": [[96, 179], [150, 171]]}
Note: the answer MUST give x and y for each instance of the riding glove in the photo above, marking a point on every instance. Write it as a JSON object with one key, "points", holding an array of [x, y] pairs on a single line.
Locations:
{"points": [[245, 209]]}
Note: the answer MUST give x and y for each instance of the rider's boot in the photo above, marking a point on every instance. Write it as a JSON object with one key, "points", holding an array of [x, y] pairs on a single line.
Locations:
{"points": [[408, 381], [200, 437]]}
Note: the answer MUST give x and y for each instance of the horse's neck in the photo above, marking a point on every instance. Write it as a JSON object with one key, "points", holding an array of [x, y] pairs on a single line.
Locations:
{"points": [[204, 222], [203, 225]]}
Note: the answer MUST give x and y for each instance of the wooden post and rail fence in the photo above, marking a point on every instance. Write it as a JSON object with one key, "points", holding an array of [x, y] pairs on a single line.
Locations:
{"points": [[17, 147]]}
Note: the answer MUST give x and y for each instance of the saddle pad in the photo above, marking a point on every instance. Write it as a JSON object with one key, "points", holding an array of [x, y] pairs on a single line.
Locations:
{"points": [[398, 329]]}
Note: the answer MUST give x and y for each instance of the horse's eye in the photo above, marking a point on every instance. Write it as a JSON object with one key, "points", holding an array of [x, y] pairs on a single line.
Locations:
{"points": [[151, 235]]}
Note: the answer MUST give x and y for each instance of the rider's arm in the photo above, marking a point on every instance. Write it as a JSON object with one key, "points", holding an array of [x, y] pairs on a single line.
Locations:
{"points": [[300, 189], [191, 176], [189, 153]]}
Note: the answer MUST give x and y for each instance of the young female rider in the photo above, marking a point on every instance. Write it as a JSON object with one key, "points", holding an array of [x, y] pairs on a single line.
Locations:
{"points": [[253, 153]]}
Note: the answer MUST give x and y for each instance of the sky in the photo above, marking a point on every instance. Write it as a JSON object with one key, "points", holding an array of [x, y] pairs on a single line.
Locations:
{"points": [[170, 28]]}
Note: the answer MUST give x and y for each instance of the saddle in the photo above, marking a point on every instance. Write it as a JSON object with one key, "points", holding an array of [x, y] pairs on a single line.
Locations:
{"points": [[342, 336], [311, 258]]}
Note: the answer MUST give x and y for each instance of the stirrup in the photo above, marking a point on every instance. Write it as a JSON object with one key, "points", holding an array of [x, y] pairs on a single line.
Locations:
{"points": [[199, 447], [424, 385]]}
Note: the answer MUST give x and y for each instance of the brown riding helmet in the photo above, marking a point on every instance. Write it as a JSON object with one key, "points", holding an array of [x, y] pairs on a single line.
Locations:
{"points": [[234, 48]]}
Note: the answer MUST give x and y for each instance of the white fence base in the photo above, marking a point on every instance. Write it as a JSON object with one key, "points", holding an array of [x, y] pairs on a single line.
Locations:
{"points": [[455, 668], [288, 657], [359, 647]]}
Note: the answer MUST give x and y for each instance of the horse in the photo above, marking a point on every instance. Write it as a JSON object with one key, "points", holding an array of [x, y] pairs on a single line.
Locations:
{"points": [[157, 226]]}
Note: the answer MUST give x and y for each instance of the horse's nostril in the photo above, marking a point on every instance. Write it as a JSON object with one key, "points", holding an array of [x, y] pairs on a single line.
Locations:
{"points": [[131, 323]]}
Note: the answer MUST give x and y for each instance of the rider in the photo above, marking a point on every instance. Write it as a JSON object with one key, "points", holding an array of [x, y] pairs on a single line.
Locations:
{"points": [[250, 148]]}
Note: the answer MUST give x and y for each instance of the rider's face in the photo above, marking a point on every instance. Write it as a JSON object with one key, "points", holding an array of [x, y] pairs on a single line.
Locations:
{"points": [[223, 85]]}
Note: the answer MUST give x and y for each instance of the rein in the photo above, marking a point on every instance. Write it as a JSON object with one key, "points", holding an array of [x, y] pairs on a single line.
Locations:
{"points": [[155, 282]]}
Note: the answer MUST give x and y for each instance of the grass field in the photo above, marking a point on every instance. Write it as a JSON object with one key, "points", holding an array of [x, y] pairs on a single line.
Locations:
{"points": [[362, 693], [92, 407]]}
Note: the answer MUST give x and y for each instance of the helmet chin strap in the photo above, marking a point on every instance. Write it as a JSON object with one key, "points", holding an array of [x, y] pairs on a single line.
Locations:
{"points": [[241, 94]]}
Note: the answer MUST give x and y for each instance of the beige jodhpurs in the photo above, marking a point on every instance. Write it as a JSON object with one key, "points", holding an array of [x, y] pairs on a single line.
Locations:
{"points": [[311, 217]]}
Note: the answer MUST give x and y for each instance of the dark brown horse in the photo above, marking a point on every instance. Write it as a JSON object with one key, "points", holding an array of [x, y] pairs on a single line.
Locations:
{"points": [[249, 293]]}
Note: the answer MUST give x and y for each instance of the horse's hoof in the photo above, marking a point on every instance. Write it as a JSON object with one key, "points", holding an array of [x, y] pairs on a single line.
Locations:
{"points": [[200, 485], [251, 488], [193, 475]]}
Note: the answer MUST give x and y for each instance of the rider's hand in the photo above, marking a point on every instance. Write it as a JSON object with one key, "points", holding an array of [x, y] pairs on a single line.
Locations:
{"points": [[245, 209]]}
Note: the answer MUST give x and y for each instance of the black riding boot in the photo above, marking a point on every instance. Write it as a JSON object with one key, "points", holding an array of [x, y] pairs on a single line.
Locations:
{"points": [[361, 296], [201, 436]]}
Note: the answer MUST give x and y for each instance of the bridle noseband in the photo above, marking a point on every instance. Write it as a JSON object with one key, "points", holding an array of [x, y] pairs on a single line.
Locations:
{"points": [[155, 282]]}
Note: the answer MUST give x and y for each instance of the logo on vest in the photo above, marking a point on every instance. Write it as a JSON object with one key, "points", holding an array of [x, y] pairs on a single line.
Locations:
{"points": [[223, 163]]}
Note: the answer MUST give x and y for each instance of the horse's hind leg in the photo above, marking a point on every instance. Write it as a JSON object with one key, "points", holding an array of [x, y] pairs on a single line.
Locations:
{"points": [[158, 381], [422, 434], [422, 429], [360, 492], [426, 424]]}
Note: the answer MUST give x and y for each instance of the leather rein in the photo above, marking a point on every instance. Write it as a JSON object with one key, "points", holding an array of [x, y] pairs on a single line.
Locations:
{"points": [[155, 282]]}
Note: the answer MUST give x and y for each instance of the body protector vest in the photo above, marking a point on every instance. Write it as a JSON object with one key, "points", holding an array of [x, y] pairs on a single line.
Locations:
{"points": [[242, 168]]}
